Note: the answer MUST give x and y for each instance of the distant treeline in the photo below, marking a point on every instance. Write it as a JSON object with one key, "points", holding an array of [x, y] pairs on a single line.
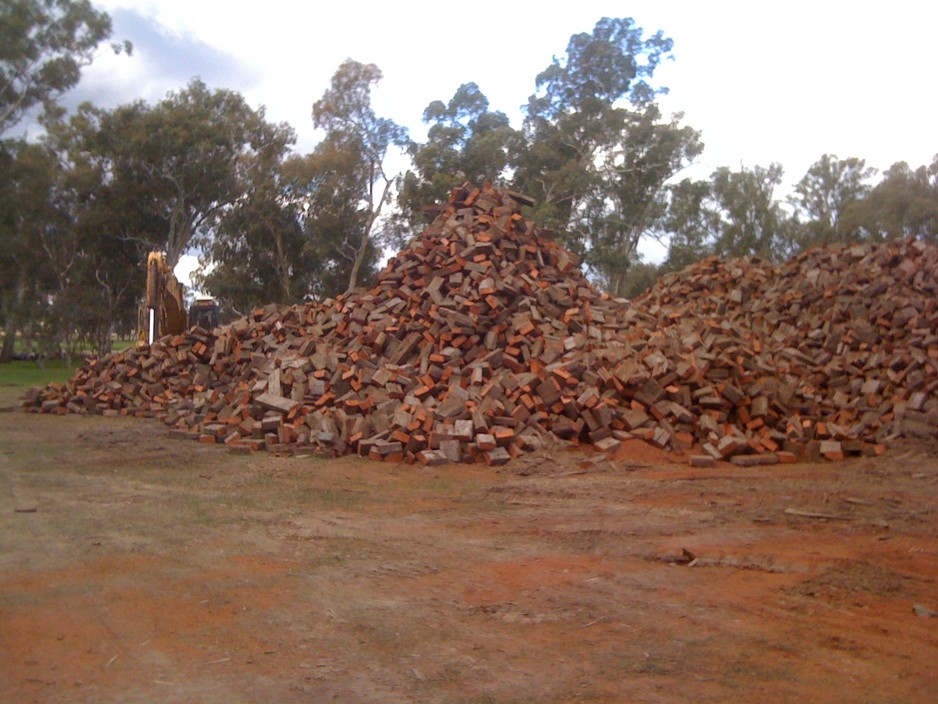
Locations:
{"points": [[201, 171]]}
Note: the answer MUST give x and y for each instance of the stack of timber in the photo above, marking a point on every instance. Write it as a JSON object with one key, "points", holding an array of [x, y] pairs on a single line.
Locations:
{"points": [[849, 332], [482, 338]]}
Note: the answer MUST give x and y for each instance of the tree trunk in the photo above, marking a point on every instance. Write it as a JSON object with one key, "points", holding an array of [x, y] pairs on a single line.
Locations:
{"points": [[283, 269], [9, 334], [359, 260], [102, 340], [11, 318], [366, 236]]}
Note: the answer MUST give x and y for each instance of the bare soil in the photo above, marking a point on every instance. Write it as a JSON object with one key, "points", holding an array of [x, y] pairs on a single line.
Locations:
{"points": [[137, 568]]}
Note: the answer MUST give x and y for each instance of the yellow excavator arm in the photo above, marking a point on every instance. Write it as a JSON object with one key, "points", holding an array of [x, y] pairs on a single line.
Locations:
{"points": [[164, 311]]}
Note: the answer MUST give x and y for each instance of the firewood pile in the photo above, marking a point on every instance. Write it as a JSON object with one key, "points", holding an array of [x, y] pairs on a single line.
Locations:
{"points": [[482, 340], [848, 336]]}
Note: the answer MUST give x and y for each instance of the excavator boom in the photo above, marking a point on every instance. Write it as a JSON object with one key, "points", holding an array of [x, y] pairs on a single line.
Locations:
{"points": [[165, 311]]}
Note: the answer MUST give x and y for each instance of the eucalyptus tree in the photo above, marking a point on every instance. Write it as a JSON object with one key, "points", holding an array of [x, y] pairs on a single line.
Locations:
{"points": [[825, 193], [597, 151], [44, 45], [751, 217], [691, 225], [353, 157], [259, 254], [182, 163], [466, 142], [903, 204], [26, 210]]}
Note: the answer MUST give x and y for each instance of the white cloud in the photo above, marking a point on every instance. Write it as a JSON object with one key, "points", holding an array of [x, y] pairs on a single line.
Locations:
{"points": [[781, 82]]}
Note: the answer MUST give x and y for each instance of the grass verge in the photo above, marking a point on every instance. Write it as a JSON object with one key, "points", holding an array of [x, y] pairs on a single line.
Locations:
{"points": [[24, 374]]}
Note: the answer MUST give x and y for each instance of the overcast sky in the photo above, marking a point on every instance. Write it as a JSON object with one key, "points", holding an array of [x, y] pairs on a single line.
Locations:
{"points": [[763, 82]]}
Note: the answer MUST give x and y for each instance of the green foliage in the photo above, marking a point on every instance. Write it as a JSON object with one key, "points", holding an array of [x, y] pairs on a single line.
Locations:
{"points": [[751, 218], [68, 280], [737, 213], [579, 111], [466, 142], [903, 204], [258, 250], [615, 62], [826, 192], [691, 224], [28, 218], [95, 289], [597, 150], [639, 277], [309, 226], [628, 199], [179, 165], [295, 236], [201, 169], [345, 113], [44, 44], [105, 187], [734, 214], [356, 144], [334, 217]]}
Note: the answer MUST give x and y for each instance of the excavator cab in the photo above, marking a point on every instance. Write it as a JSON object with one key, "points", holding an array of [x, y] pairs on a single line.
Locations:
{"points": [[204, 313]]}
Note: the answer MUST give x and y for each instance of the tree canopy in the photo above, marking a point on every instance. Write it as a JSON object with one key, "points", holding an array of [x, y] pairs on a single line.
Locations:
{"points": [[826, 192], [357, 141], [466, 142], [903, 204], [44, 44], [598, 151], [186, 158]]}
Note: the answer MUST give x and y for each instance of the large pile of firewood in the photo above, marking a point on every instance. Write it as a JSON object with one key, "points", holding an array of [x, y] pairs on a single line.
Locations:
{"points": [[481, 338]]}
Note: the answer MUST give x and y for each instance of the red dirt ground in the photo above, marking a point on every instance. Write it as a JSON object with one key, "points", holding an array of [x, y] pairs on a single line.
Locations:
{"points": [[136, 568]]}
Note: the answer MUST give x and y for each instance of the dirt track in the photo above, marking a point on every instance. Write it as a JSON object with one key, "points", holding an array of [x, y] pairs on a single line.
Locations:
{"points": [[136, 568]]}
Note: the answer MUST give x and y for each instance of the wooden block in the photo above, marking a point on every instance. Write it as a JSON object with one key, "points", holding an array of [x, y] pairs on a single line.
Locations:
{"points": [[504, 436], [549, 391], [731, 445], [832, 449], [634, 418], [701, 461], [276, 403], [432, 458], [452, 450], [811, 451], [712, 451], [496, 457], [530, 442], [754, 460], [609, 444], [485, 441]]}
